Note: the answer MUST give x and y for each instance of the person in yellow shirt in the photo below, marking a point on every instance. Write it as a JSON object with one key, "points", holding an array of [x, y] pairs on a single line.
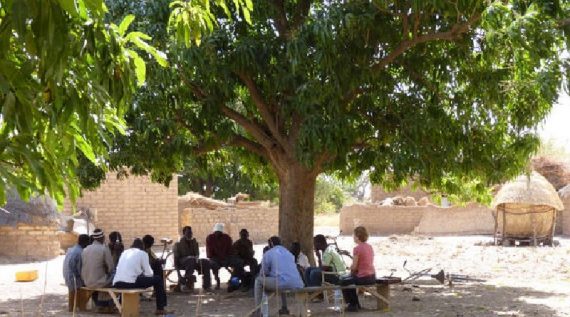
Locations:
{"points": [[328, 260]]}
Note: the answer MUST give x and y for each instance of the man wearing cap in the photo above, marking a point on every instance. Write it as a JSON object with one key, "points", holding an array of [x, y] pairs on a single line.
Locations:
{"points": [[219, 251], [97, 267], [187, 258]]}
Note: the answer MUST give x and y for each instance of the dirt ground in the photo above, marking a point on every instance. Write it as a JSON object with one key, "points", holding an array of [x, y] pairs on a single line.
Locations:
{"points": [[520, 281]]}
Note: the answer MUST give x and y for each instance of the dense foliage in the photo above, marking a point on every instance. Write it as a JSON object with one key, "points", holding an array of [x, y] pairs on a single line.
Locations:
{"points": [[67, 77], [445, 92]]}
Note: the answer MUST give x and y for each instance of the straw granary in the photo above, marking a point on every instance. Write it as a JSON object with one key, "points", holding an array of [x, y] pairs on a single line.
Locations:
{"points": [[525, 209]]}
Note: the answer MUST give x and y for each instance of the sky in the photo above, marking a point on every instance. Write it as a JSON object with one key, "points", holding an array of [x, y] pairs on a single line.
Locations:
{"points": [[556, 126]]}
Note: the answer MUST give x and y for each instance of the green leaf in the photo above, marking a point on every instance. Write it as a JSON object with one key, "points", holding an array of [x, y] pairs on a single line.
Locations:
{"points": [[140, 67], [70, 7], [125, 24]]}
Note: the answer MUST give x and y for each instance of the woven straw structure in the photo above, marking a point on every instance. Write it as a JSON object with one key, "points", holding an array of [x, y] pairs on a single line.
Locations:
{"points": [[526, 208], [524, 190]]}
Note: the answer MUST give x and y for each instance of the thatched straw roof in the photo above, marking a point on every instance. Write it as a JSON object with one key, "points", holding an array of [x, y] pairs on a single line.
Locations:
{"points": [[525, 190], [39, 210]]}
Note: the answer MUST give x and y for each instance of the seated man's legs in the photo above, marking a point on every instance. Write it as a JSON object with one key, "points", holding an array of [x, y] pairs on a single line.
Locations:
{"points": [[237, 265], [253, 265], [267, 284], [215, 266], [143, 282], [188, 264], [204, 268], [313, 276]]}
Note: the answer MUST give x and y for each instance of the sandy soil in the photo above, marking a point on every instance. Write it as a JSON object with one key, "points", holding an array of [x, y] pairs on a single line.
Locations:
{"points": [[520, 281]]}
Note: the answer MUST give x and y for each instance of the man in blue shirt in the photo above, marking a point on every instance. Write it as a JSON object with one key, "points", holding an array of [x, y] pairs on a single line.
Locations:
{"points": [[278, 272], [72, 267]]}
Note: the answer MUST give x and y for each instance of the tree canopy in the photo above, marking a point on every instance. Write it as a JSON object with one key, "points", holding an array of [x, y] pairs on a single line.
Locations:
{"points": [[67, 77], [445, 92]]}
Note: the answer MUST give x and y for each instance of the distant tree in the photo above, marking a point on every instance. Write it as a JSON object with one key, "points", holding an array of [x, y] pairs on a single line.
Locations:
{"points": [[221, 175], [446, 92]]}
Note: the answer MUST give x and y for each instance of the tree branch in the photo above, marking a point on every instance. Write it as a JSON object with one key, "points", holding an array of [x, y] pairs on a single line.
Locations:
{"points": [[281, 22], [265, 110], [456, 32], [301, 12], [250, 126], [254, 147]]}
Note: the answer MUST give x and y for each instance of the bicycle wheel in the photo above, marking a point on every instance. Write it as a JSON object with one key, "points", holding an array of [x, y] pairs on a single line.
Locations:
{"points": [[171, 276]]}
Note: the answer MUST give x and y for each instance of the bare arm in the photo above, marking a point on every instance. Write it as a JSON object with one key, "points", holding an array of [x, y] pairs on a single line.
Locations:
{"points": [[354, 266]]}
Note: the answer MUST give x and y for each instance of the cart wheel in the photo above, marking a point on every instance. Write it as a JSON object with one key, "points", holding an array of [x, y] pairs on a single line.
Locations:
{"points": [[507, 243]]}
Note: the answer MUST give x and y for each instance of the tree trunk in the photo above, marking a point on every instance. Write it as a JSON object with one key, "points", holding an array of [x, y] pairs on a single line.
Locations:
{"points": [[296, 207]]}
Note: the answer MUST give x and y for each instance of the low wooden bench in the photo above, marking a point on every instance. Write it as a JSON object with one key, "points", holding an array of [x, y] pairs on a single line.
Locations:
{"points": [[130, 298], [380, 290]]}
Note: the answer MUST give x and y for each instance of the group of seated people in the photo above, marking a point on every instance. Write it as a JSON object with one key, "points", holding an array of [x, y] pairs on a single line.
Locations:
{"points": [[93, 264], [280, 269]]}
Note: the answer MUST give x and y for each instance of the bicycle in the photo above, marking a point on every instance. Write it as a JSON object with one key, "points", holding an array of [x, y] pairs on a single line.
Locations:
{"points": [[167, 258]]}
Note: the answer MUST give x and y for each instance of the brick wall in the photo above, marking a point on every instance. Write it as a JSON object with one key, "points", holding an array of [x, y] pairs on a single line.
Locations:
{"points": [[29, 242], [261, 221], [134, 206], [385, 220]]}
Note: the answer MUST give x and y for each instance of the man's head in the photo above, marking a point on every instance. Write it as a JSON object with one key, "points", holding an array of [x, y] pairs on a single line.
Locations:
{"points": [[219, 227], [187, 232], [274, 241], [243, 234], [98, 235], [83, 240], [138, 244], [296, 249], [115, 237], [148, 241], [320, 242]]}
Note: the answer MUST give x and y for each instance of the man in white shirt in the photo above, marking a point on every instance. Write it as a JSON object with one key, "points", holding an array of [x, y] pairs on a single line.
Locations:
{"points": [[133, 271]]}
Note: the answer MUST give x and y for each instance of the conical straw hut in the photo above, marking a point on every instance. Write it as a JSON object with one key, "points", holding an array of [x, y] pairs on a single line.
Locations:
{"points": [[525, 209]]}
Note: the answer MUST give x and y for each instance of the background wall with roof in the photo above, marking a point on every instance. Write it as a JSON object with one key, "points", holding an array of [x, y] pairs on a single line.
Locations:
{"points": [[259, 218], [134, 206], [28, 230]]}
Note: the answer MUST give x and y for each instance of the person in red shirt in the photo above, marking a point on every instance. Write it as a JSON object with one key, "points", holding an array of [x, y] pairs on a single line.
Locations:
{"points": [[219, 251], [362, 269]]}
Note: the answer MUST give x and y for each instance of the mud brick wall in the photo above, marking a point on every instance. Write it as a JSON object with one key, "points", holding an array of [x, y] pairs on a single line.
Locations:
{"points": [[380, 220], [386, 220], [134, 206], [261, 221], [29, 242]]}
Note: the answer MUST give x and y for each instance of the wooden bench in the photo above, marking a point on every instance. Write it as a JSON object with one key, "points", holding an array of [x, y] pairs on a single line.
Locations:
{"points": [[130, 298], [380, 290]]}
